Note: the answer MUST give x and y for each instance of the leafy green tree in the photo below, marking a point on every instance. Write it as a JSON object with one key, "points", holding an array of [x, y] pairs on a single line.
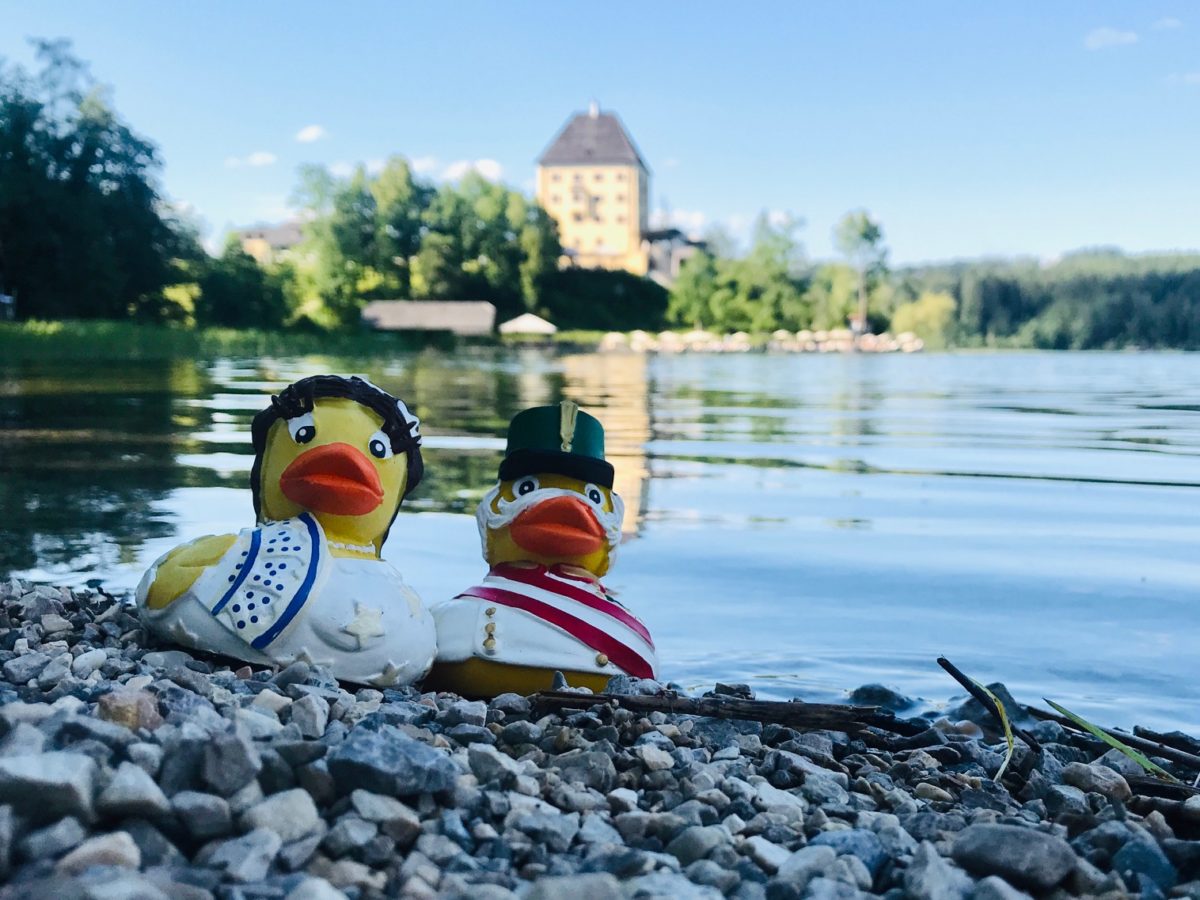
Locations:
{"points": [[83, 230], [859, 238], [236, 292], [692, 291], [929, 317], [603, 300]]}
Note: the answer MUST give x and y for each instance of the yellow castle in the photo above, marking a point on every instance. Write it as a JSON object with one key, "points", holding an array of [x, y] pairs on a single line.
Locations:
{"points": [[594, 183]]}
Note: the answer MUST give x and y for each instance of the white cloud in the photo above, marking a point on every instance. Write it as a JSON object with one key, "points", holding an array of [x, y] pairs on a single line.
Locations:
{"points": [[488, 168], [375, 166], [425, 165], [310, 133], [256, 159], [1102, 38], [1168, 23], [341, 169]]}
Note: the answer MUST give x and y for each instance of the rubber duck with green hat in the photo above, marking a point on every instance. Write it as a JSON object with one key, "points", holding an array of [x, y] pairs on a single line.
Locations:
{"points": [[550, 529], [333, 459]]}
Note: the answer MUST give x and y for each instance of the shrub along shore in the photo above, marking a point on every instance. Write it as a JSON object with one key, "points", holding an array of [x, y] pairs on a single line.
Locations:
{"points": [[128, 770]]}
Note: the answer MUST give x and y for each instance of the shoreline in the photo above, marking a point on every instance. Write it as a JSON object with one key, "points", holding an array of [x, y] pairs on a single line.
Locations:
{"points": [[127, 771]]}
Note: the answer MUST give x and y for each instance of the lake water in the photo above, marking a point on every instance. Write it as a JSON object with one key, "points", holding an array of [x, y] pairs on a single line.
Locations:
{"points": [[803, 523]]}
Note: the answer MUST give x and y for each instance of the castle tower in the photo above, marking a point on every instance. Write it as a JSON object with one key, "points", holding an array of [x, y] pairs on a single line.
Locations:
{"points": [[595, 185]]}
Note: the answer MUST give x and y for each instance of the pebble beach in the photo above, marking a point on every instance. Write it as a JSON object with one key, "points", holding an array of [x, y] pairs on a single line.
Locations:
{"points": [[129, 770]]}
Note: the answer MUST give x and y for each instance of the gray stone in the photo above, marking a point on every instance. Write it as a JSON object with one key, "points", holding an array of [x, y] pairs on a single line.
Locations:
{"points": [[654, 758], [490, 765], [882, 696], [855, 842], [230, 763], [247, 858], [22, 739], [116, 849], [1098, 779], [1063, 798], [396, 819], [1022, 856], [586, 767], [805, 864], [1142, 856], [310, 714], [46, 786], [594, 829], [88, 662], [132, 793], [349, 834], [554, 829], [53, 840], [25, 667], [295, 673], [388, 761], [697, 842], [290, 814], [995, 888], [464, 712], [295, 856], [769, 855], [315, 889], [595, 886], [58, 668], [930, 877], [122, 884], [1117, 761], [203, 816]]}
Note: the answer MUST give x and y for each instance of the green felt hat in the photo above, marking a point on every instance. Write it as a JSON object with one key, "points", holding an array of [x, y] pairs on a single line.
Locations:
{"points": [[562, 440]]}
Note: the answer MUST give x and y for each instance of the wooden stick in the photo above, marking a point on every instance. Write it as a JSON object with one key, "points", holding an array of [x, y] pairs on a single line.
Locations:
{"points": [[974, 690], [1191, 760], [1178, 740], [795, 714]]}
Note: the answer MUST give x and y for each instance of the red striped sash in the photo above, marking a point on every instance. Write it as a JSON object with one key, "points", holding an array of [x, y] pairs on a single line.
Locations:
{"points": [[620, 654], [540, 578]]}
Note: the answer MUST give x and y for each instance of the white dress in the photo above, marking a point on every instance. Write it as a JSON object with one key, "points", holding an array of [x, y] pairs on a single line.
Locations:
{"points": [[279, 595]]}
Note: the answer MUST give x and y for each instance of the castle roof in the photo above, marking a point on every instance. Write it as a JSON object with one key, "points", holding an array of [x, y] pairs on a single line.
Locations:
{"points": [[592, 138]]}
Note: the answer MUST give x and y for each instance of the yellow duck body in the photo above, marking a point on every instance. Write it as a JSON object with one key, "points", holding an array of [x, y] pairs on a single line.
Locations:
{"points": [[329, 476]]}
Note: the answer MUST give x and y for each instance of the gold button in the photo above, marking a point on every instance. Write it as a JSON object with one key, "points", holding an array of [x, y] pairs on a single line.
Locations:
{"points": [[490, 627], [490, 611], [490, 645], [601, 659]]}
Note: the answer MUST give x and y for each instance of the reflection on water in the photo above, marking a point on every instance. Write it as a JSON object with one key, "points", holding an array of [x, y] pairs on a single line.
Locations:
{"points": [[806, 523]]}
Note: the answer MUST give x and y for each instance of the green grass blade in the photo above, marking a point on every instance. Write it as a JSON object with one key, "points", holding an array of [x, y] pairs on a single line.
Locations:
{"points": [[1008, 734], [1103, 735]]}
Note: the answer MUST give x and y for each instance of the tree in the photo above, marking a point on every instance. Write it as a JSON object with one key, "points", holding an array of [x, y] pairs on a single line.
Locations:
{"points": [[929, 317], [860, 239], [83, 230], [236, 293]]}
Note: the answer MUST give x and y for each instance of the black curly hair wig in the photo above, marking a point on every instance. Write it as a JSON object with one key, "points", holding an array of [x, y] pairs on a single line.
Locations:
{"points": [[300, 397]]}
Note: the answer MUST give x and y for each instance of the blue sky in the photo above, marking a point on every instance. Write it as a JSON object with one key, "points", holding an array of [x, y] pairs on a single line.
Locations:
{"points": [[1028, 128]]}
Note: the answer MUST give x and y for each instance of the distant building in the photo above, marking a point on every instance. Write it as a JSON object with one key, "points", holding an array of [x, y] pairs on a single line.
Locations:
{"points": [[462, 317], [271, 243], [528, 323], [595, 184]]}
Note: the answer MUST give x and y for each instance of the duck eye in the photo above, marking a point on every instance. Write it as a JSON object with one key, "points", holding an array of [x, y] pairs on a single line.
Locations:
{"points": [[526, 485], [380, 445], [593, 493], [302, 428]]}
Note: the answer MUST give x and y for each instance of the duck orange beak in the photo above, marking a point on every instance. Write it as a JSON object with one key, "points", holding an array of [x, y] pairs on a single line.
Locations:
{"points": [[334, 479], [560, 526]]}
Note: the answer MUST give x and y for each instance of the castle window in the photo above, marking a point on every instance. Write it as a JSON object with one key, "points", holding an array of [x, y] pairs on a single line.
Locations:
{"points": [[620, 176], [577, 217], [556, 177], [556, 199], [620, 198], [599, 176], [620, 220]]}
